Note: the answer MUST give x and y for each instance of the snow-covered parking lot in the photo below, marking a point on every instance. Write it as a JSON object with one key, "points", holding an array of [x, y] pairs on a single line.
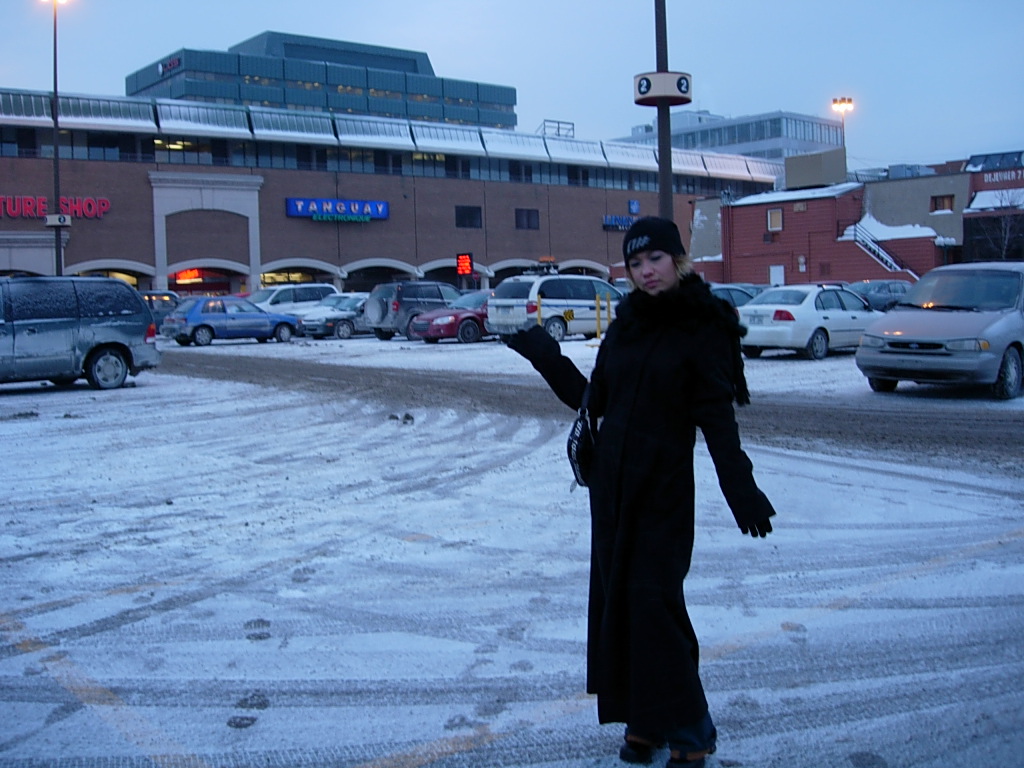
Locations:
{"points": [[197, 572]]}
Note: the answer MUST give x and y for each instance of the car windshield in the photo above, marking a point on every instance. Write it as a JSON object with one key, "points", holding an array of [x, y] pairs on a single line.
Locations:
{"points": [[334, 300], [261, 295], [976, 291], [349, 302], [513, 289], [184, 307], [473, 300], [784, 296]]}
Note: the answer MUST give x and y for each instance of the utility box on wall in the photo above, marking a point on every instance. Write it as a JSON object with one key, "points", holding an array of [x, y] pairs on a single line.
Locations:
{"points": [[818, 170]]}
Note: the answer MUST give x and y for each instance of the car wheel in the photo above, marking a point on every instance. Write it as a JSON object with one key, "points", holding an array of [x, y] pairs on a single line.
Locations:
{"points": [[343, 330], [752, 352], [283, 333], [817, 347], [202, 336], [1008, 382], [106, 369], [383, 335], [469, 332], [555, 328], [883, 385], [410, 334]]}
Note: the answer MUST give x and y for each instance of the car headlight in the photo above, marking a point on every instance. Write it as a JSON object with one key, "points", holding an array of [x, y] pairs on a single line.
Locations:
{"points": [[872, 342], [445, 320], [967, 345]]}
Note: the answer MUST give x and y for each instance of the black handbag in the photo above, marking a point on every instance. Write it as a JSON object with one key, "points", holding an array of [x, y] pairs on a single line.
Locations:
{"points": [[580, 445]]}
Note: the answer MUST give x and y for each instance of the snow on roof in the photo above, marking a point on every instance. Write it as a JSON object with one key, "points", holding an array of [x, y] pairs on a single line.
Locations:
{"points": [[787, 195], [993, 199], [881, 232]]}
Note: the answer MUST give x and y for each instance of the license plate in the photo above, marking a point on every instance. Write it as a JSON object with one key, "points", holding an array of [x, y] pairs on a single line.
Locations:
{"points": [[756, 320]]}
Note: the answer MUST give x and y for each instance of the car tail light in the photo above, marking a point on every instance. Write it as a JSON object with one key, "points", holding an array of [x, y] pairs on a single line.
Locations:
{"points": [[394, 305], [783, 316], [531, 307], [151, 334]]}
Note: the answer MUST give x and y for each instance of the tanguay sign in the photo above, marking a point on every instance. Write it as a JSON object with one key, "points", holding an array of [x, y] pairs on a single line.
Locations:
{"points": [[332, 209]]}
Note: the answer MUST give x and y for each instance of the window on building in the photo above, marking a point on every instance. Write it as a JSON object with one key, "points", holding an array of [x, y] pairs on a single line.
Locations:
{"points": [[456, 167], [520, 172], [578, 176], [387, 163], [774, 219], [527, 218], [469, 217], [942, 203]]}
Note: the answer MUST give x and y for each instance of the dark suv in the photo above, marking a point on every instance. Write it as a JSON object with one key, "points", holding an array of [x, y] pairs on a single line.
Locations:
{"points": [[392, 307], [63, 328]]}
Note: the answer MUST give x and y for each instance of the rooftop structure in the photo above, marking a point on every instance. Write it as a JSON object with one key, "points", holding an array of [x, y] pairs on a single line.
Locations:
{"points": [[301, 73]]}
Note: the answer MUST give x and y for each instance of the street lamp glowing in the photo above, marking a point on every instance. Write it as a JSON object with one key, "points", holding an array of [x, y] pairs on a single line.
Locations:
{"points": [[842, 106]]}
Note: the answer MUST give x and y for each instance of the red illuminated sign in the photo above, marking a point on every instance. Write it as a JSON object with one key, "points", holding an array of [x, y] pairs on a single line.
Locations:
{"points": [[464, 264], [29, 207], [187, 274]]}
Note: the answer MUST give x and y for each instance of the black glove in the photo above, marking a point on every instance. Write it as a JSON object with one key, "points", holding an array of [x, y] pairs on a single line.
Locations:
{"points": [[760, 528], [534, 344]]}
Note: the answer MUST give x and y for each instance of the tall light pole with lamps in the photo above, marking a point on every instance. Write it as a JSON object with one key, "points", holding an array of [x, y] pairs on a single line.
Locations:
{"points": [[842, 106], [56, 219]]}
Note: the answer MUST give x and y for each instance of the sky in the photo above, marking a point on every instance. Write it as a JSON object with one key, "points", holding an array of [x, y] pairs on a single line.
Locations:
{"points": [[240, 574], [931, 81]]}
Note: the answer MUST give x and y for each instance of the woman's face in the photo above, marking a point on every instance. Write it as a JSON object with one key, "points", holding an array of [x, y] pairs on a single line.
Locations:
{"points": [[653, 271]]}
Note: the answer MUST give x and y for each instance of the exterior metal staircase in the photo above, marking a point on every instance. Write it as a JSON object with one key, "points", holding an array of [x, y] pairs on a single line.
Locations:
{"points": [[874, 249]]}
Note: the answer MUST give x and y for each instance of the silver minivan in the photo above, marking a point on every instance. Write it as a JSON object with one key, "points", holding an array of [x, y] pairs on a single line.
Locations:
{"points": [[60, 329], [959, 324], [291, 299]]}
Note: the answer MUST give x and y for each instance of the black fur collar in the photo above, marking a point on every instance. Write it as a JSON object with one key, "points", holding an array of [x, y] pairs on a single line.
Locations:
{"points": [[688, 303]]}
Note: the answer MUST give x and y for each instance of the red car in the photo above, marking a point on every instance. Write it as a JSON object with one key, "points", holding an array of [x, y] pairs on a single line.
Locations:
{"points": [[463, 320]]}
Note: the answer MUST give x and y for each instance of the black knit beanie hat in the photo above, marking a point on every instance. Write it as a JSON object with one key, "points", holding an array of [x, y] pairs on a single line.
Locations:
{"points": [[652, 233]]}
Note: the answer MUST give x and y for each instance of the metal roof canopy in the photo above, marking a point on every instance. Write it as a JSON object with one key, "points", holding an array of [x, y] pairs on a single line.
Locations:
{"points": [[515, 146], [444, 139], [373, 133], [637, 157]]}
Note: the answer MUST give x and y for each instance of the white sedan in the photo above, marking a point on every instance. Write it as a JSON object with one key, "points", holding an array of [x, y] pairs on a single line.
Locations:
{"points": [[811, 319]]}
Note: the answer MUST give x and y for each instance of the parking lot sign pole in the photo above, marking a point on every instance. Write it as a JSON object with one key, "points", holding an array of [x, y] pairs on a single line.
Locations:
{"points": [[663, 89]]}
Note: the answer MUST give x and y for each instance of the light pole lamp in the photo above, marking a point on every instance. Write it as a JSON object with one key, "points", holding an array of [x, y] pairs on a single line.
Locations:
{"points": [[58, 226], [842, 106]]}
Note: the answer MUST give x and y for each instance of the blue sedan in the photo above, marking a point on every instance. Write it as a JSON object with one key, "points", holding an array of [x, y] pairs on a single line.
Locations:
{"points": [[202, 319]]}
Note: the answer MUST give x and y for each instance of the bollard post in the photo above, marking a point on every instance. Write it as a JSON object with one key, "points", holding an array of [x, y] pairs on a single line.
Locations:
{"points": [[597, 306]]}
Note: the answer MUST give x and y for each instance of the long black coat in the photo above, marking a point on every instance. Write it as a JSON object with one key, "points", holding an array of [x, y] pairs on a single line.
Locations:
{"points": [[669, 363]]}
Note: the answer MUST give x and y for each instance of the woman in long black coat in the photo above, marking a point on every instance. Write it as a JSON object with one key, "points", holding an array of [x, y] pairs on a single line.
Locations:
{"points": [[670, 363]]}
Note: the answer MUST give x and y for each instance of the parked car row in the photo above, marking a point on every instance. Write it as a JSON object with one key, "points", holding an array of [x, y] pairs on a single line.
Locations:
{"points": [[959, 324]]}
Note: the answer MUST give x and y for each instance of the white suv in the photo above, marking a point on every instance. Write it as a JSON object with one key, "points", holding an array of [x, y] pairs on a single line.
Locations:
{"points": [[291, 299], [563, 304]]}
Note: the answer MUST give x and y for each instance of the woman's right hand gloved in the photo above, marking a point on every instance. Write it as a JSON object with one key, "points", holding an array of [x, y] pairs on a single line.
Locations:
{"points": [[534, 344]]}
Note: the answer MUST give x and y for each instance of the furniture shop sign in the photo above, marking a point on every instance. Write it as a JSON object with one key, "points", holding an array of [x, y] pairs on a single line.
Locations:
{"points": [[332, 209]]}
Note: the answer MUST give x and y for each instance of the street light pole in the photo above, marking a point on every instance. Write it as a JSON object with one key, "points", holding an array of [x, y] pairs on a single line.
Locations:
{"points": [[663, 89], [664, 118], [58, 239], [842, 106]]}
